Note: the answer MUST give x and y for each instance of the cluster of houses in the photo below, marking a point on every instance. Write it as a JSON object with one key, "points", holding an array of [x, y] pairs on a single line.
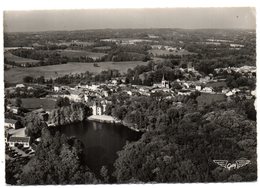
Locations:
{"points": [[165, 47], [125, 41], [97, 96], [244, 69]]}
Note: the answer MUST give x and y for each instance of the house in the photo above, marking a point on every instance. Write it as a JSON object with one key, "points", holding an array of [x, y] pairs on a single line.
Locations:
{"points": [[56, 88], [228, 94], [129, 93], [98, 108], [235, 90], [225, 91], [198, 88], [75, 96], [184, 92], [207, 90], [13, 109], [49, 124], [114, 82], [93, 87], [186, 85], [7, 136], [25, 141], [190, 67], [157, 47], [11, 123], [20, 86]]}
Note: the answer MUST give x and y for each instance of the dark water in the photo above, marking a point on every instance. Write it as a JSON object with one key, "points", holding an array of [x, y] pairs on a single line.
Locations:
{"points": [[101, 141]]}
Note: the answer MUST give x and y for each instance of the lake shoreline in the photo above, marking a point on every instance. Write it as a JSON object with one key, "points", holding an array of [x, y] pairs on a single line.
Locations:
{"points": [[111, 120]]}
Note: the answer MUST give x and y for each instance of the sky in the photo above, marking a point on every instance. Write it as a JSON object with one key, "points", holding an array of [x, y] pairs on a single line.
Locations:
{"points": [[187, 18]]}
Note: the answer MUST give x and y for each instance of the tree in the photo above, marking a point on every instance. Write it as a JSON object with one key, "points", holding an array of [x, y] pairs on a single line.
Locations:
{"points": [[62, 101], [18, 102], [28, 79], [34, 125]]}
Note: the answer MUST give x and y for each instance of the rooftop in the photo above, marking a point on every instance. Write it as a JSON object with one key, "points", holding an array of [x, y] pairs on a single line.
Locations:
{"points": [[19, 139], [13, 121]]}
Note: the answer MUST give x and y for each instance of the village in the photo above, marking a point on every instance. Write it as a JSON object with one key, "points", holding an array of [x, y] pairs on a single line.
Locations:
{"points": [[98, 96]]}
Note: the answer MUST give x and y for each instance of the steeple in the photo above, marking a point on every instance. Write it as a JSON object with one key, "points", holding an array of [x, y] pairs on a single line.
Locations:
{"points": [[163, 78]]}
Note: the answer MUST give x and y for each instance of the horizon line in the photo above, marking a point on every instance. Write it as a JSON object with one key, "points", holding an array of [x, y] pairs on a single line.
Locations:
{"points": [[58, 30]]}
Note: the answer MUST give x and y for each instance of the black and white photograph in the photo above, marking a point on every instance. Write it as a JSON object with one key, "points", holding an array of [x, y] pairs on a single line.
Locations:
{"points": [[129, 96]]}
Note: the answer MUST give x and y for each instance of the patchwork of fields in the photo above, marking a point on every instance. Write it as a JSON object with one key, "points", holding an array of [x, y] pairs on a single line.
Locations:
{"points": [[16, 75]]}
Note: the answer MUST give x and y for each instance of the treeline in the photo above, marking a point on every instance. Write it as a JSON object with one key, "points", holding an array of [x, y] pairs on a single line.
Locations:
{"points": [[83, 78], [183, 141], [128, 53], [45, 58], [154, 72], [26, 93], [235, 80]]}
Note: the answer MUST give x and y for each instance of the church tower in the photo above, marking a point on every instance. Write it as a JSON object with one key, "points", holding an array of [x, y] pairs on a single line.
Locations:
{"points": [[165, 83]]}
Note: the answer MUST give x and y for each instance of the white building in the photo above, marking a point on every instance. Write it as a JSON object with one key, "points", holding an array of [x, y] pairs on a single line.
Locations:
{"points": [[198, 88], [20, 86], [207, 90], [224, 91], [184, 92], [56, 88], [235, 90], [228, 94]]}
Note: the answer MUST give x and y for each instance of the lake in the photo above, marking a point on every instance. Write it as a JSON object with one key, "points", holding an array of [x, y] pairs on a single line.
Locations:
{"points": [[101, 141]]}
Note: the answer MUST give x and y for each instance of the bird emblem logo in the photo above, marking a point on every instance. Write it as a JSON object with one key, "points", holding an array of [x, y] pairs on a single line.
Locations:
{"points": [[228, 165]]}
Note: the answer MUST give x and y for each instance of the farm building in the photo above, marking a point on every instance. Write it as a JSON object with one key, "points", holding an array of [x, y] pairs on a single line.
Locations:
{"points": [[25, 141], [11, 123]]}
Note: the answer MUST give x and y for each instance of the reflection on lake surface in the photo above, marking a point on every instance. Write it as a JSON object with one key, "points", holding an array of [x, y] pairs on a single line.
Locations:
{"points": [[101, 141]]}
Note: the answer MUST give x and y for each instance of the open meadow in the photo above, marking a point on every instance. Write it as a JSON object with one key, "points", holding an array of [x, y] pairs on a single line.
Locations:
{"points": [[16, 75], [20, 60]]}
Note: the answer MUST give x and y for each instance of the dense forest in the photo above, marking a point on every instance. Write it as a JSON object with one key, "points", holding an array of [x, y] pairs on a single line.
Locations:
{"points": [[57, 160], [183, 141]]}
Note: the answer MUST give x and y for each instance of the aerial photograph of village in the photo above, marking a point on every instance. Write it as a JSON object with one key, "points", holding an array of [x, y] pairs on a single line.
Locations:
{"points": [[127, 96]]}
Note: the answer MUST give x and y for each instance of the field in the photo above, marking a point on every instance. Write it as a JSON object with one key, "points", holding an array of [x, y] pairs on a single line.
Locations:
{"points": [[16, 75], [166, 52], [79, 53], [36, 103], [17, 59]]}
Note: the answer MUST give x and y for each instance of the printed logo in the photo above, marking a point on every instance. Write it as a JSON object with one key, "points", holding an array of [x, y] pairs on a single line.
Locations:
{"points": [[238, 164]]}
